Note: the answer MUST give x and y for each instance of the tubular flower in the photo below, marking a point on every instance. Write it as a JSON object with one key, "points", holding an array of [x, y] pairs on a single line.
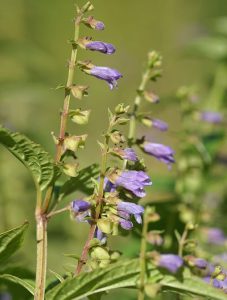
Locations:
{"points": [[104, 73], [102, 47], [159, 124], [159, 151], [127, 153], [125, 209], [134, 181], [211, 117], [80, 208], [170, 262], [196, 262]]}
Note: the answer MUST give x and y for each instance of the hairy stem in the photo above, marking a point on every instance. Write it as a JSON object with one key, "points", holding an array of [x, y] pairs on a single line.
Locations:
{"points": [[143, 250], [98, 209], [42, 208], [64, 114], [132, 123], [41, 261]]}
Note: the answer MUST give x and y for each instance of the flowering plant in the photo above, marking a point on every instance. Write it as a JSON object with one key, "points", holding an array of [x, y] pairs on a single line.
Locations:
{"points": [[115, 193]]}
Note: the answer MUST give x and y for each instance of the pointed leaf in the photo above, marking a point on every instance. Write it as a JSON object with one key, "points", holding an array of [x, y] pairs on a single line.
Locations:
{"points": [[10, 241], [31, 155]]}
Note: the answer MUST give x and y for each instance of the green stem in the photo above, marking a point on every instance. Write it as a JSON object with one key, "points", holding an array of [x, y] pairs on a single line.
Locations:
{"points": [[41, 263], [64, 115], [143, 250], [41, 210], [83, 258], [132, 122], [182, 242]]}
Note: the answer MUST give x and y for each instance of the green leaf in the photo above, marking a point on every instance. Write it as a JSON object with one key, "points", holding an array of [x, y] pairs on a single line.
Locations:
{"points": [[10, 241], [31, 155], [126, 275], [28, 284], [192, 285], [82, 182], [119, 275]]}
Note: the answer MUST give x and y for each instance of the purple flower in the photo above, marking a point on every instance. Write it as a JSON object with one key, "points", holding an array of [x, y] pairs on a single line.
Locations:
{"points": [[170, 262], [104, 73], [129, 154], [159, 124], [161, 152], [215, 236], [100, 236], [101, 47], [211, 117], [217, 283], [125, 209], [80, 209], [200, 263], [125, 224], [99, 25], [134, 181], [80, 206]]}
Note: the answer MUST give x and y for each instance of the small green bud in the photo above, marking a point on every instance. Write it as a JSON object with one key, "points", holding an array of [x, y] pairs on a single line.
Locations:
{"points": [[146, 121], [79, 117], [79, 91], [151, 97], [73, 143], [87, 7], [154, 59], [71, 169], [121, 109], [116, 137], [99, 253], [115, 255], [104, 264], [105, 225]]}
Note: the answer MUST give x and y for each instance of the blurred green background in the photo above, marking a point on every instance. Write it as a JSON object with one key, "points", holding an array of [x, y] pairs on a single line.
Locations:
{"points": [[33, 59]]}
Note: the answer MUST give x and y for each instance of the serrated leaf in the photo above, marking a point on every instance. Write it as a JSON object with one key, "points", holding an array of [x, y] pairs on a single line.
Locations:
{"points": [[82, 182], [126, 275], [10, 241], [119, 275], [192, 286], [28, 284], [38, 161]]}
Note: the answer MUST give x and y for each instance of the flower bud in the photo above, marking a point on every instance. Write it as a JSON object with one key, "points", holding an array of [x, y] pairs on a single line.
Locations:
{"points": [[154, 59], [99, 253], [79, 117], [94, 24], [79, 91], [117, 137], [151, 97], [73, 143], [105, 225], [121, 109]]}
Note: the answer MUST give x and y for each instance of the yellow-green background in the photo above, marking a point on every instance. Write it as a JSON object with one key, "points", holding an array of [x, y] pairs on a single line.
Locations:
{"points": [[33, 59]]}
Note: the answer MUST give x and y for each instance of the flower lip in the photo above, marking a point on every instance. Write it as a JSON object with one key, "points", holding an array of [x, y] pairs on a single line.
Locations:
{"points": [[159, 124], [80, 206], [104, 73], [171, 262], [159, 151], [102, 47], [125, 209], [134, 181]]}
